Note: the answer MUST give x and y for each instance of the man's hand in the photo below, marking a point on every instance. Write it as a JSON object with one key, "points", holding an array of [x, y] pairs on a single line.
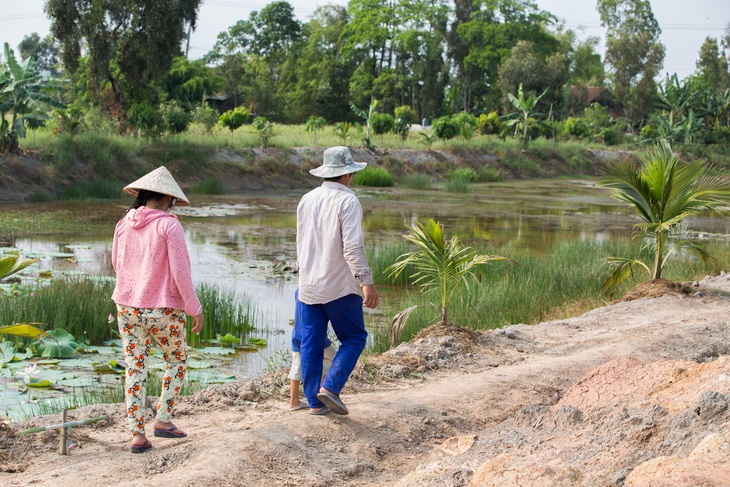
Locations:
{"points": [[369, 296], [198, 323]]}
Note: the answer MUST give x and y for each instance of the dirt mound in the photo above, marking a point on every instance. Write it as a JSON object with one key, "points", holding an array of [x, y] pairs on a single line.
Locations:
{"points": [[656, 288]]}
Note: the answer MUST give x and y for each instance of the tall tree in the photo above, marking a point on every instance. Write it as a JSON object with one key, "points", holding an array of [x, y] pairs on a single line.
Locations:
{"points": [[485, 39], [320, 85], [633, 52], [130, 45], [44, 51]]}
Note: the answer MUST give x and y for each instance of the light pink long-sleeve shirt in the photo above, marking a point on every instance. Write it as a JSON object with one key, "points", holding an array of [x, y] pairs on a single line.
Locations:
{"points": [[151, 260], [330, 247]]}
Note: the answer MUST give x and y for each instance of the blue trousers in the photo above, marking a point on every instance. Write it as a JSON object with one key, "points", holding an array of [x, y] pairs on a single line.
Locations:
{"points": [[348, 322]]}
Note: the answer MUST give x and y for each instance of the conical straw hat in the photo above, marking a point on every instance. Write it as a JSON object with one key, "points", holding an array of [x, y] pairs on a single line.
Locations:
{"points": [[160, 181]]}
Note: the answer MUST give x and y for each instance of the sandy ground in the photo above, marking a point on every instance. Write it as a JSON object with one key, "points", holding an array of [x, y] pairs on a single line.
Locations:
{"points": [[635, 393]]}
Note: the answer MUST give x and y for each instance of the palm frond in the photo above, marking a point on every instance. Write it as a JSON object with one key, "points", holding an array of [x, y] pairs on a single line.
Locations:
{"points": [[620, 269]]}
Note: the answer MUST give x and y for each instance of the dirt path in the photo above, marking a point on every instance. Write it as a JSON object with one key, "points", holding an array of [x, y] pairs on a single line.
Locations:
{"points": [[635, 393]]}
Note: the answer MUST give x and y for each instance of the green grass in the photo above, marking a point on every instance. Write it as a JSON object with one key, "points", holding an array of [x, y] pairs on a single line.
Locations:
{"points": [[458, 185], [465, 173], [108, 190], [563, 284], [209, 186], [82, 307], [489, 174], [374, 176], [416, 181]]}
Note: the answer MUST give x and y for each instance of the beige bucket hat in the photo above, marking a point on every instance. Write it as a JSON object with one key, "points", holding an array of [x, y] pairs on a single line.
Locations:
{"points": [[337, 162], [160, 181]]}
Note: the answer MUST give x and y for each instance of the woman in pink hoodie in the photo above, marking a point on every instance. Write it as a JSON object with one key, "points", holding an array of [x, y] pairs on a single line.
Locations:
{"points": [[154, 293]]}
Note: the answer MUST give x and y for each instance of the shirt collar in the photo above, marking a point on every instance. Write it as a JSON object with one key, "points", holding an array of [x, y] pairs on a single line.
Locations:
{"points": [[334, 185]]}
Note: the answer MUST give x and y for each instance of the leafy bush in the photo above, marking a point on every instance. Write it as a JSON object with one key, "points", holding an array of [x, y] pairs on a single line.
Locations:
{"points": [[382, 123], [463, 118], [233, 119], [577, 128], [264, 130], [609, 136], [401, 129], [373, 176], [597, 117], [70, 120], [406, 114], [489, 124], [206, 116], [445, 127], [144, 118], [174, 117]]}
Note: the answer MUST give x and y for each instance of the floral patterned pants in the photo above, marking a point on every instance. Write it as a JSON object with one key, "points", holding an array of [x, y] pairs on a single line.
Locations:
{"points": [[166, 326]]}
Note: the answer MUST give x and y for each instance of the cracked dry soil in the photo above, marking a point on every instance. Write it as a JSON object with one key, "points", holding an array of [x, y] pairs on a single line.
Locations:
{"points": [[634, 393]]}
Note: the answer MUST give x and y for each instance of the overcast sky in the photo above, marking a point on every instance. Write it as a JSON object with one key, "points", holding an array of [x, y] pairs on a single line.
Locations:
{"points": [[685, 24]]}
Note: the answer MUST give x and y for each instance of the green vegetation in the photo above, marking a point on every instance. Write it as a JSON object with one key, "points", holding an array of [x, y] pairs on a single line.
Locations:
{"points": [[441, 268], [416, 181], [83, 308], [664, 193], [562, 284], [373, 176], [209, 186]]}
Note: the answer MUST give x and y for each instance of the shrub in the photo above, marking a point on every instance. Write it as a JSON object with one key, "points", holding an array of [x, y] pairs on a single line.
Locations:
{"points": [[489, 124], [382, 123], [373, 176], [577, 128], [70, 120], [609, 136], [445, 127], [174, 117], [406, 115], [233, 119], [144, 118], [401, 129], [206, 116], [596, 117], [264, 130]]}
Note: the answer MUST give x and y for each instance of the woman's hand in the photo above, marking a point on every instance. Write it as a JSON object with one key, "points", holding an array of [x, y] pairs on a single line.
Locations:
{"points": [[198, 323]]}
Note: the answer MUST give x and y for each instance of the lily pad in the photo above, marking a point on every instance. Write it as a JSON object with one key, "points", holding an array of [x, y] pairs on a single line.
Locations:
{"points": [[215, 351], [61, 344]]}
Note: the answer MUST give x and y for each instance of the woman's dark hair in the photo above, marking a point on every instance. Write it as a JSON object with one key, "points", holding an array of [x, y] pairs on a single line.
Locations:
{"points": [[335, 180], [143, 197]]}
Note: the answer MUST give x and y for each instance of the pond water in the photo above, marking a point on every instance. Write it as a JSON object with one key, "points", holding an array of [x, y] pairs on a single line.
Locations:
{"points": [[236, 241]]}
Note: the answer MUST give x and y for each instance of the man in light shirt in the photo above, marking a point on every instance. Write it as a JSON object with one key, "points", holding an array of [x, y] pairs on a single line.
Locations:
{"points": [[335, 281]]}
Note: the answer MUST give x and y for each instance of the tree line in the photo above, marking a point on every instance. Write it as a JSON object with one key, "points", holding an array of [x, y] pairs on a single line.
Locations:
{"points": [[428, 59]]}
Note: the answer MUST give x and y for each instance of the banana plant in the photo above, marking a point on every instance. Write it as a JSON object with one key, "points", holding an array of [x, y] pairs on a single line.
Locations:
{"points": [[367, 116], [525, 114], [23, 95]]}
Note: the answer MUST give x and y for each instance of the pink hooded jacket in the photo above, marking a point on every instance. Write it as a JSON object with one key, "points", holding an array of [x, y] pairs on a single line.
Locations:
{"points": [[151, 260]]}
